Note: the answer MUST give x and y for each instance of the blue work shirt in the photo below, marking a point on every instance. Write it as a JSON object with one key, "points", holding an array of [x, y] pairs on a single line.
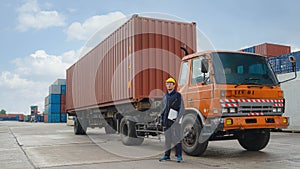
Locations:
{"points": [[173, 101]]}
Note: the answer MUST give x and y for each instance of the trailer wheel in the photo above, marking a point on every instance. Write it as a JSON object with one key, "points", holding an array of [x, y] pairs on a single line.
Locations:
{"points": [[78, 128], [128, 133], [109, 127], [254, 140], [191, 128]]}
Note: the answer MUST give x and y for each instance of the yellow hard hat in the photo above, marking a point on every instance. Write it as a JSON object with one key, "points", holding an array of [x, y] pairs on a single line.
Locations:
{"points": [[170, 80]]}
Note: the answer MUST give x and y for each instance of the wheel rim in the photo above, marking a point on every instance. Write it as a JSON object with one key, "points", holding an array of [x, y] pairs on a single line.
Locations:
{"points": [[190, 135]]}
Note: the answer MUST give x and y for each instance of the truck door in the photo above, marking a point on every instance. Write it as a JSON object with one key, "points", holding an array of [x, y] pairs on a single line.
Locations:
{"points": [[183, 80], [199, 92]]}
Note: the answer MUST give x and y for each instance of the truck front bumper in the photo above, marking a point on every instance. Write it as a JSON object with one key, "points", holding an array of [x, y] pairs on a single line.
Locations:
{"points": [[254, 122]]}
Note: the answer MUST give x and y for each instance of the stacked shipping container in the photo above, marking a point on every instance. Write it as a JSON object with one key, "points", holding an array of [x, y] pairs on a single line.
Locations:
{"points": [[11, 117], [281, 64], [269, 50], [55, 110]]}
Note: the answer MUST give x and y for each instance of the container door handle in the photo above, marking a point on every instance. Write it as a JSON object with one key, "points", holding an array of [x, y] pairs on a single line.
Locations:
{"points": [[190, 100]]}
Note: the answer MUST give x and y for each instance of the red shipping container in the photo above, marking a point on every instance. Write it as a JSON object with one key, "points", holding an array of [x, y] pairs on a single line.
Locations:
{"points": [[11, 115], [63, 108], [271, 50], [45, 118], [63, 99], [21, 117], [130, 64]]}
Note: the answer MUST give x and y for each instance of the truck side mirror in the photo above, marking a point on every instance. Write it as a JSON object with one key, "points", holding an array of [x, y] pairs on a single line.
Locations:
{"points": [[292, 59], [204, 65]]}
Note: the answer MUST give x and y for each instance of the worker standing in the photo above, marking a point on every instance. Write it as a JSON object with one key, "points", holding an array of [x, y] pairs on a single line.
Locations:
{"points": [[173, 108]]}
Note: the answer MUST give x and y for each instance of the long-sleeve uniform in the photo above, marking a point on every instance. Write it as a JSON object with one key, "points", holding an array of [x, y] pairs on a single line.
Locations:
{"points": [[172, 129]]}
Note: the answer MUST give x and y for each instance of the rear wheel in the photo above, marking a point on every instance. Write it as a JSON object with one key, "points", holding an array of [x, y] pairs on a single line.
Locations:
{"points": [[79, 129], [254, 140], [128, 133], [191, 128]]}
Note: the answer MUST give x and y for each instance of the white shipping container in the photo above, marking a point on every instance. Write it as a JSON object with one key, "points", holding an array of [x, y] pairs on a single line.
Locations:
{"points": [[55, 89], [60, 82], [291, 91]]}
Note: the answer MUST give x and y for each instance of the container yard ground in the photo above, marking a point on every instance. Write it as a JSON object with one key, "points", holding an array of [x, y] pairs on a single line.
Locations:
{"points": [[40, 145]]}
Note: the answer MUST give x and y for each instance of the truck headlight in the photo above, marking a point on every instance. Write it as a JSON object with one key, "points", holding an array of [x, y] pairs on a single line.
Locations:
{"points": [[274, 110], [279, 110], [224, 110], [232, 110]]}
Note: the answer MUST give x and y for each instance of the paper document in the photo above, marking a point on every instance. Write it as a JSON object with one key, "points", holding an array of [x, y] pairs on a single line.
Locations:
{"points": [[172, 114]]}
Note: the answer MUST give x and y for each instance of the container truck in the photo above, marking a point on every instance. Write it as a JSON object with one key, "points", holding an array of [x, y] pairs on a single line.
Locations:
{"points": [[119, 85]]}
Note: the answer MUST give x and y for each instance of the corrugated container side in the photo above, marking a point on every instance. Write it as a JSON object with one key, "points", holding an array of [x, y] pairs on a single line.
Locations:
{"points": [[69, 83], [63, 118], [281, 64], [63, 99], [276, 50], [53, 118], [54, 109], [55, 89], [63, 89], [136, 59], [54, 99], [250, 50], [62, 108], [45, 118], [271, 50]]}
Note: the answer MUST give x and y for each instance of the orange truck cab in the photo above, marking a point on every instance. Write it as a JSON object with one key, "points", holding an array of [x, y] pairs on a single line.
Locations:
{"points": [[229, 95]]}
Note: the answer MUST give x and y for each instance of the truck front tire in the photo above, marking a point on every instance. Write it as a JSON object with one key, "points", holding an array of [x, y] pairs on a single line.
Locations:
{"points": [[128, 133], [191, 128], [79, 129], [254, 140]]}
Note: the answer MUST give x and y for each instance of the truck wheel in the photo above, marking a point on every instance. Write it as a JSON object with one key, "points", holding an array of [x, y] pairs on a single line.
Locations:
{"points": [[128, 133], [109, 127], [78, 128], [254, 140], [191, 128]]}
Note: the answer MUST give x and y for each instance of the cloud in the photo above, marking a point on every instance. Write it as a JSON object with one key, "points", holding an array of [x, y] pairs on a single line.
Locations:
{"points": [[83, 31], [31, 16], [13, 81], [27, 84]]}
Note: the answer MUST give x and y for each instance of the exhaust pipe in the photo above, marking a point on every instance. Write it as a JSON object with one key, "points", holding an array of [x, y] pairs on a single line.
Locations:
{"points": [[185, 50]]}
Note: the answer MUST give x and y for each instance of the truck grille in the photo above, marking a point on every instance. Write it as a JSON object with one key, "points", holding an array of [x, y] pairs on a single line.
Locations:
{"points": [[253, 106]]}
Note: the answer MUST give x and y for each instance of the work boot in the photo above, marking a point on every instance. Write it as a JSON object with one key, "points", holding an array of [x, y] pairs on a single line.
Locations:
{"points": [[164, 158], [179, 159]]}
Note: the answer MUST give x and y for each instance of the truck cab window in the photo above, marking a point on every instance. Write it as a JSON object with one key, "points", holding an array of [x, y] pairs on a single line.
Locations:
{"points": [[197, 75], [184, 73]]}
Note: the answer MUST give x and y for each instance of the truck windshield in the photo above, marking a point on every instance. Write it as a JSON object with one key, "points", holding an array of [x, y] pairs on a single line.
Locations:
{"points": [[236, 68]]}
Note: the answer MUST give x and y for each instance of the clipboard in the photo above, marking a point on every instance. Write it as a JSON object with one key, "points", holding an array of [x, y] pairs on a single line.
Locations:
{"points": [[172, 114]]}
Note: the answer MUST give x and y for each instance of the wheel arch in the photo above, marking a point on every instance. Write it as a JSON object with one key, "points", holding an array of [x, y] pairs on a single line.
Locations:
{"points": [[200, 116]]}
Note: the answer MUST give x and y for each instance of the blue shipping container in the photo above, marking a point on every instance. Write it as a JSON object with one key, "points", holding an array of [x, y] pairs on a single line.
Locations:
{"points": [[250, 50], [281, 64], [53, 108], [40, 118], [63, 89], [53, 118], [54, 99], [63, 118]]}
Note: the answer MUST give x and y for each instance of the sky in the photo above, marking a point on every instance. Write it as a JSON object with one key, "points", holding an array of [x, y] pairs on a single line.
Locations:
{"points": [[40, 39]]}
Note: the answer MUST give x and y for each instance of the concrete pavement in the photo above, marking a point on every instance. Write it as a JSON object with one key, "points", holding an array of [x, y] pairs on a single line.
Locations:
{"points": [[40, 145]]}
